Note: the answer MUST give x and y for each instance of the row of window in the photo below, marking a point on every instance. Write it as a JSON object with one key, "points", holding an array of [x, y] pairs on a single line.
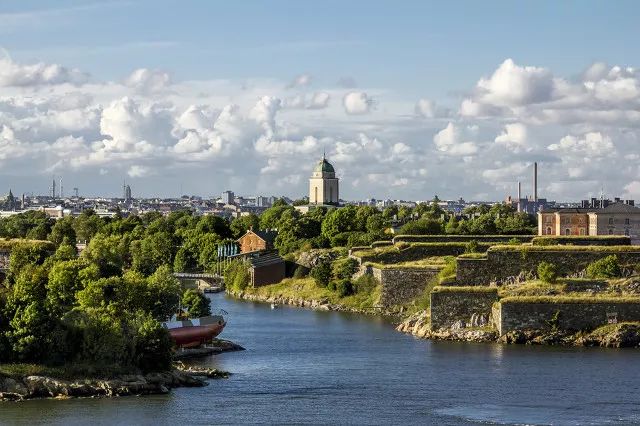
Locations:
{"points": [[582, 231]]}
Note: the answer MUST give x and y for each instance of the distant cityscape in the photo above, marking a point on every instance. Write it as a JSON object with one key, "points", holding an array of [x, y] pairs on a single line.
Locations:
{"points": [[229, 205]]}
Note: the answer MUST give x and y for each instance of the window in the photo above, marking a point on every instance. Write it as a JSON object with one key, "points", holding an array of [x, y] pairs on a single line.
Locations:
{"points": [[610, 231], [582, 231], [610, 221], [567, 231], [316, 195], [626, 231], [626, 221], [548, 230]]}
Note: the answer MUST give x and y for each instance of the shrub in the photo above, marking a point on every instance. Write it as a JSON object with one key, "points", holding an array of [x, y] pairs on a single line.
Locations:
{"points": [[365, 284], [514, 242], [607, 267], [472, 247], [344, 288], [344, 268], [196, 304], [236, 276], [321, 274], [547, 272]]}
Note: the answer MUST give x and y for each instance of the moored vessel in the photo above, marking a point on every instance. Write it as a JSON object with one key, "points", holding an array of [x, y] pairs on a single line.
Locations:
{"points": [[191, 333]]}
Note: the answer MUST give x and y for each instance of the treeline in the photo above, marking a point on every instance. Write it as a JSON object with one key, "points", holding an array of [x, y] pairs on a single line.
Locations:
{"points": [[101, 309]]}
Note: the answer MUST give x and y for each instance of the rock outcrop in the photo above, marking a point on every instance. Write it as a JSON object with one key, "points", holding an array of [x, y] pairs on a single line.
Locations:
{"points": [[30, 387]]}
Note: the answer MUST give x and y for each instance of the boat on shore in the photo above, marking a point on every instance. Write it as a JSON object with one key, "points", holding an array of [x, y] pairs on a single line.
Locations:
{"points": [[192, 333]]}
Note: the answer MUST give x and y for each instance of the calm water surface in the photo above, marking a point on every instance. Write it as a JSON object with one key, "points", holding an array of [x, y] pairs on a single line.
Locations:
{"points": [[311, 367]]}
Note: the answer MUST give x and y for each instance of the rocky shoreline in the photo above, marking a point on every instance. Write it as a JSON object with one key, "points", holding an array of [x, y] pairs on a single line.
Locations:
{"points": [[623, 335], [317, 305], [32, 387]]}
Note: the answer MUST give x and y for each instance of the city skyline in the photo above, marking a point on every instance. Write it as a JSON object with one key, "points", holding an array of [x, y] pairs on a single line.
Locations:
{"points": [[175, 110]]}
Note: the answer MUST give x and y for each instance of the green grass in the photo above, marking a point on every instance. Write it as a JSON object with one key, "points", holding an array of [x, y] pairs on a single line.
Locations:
{"points": [[560, 240], [68, 372], [306, 289], [524, 248], [465, 289], [427, 263], [571, 298], [533, 288], [473, 256]]}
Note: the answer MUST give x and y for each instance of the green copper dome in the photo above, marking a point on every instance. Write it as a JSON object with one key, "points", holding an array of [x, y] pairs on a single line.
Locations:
{"points": [[324, 166]]}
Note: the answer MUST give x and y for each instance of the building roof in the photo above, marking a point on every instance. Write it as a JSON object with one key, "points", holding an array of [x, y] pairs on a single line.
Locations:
{"points": [[268, 236], [265, 259], [324, 166], [610, 209]]}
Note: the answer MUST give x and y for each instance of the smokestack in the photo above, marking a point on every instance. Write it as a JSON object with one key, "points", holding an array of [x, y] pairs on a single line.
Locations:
{"points": [[519, 190], [535, 184]]}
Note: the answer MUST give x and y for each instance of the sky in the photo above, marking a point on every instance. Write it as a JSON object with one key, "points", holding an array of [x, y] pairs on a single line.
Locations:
{"points": [[408, 99]]}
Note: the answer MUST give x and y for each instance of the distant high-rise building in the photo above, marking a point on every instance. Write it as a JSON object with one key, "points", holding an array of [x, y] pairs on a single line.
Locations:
{"points": [[263, 201], [53, 188], [127, 193], [228, 197]]}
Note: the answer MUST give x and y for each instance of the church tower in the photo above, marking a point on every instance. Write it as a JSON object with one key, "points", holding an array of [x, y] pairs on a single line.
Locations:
{"points": [[323, 185]]}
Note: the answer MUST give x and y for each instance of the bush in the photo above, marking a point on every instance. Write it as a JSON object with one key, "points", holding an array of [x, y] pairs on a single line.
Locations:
{"points": [[472, 247], [547, 272], [365, 284], [344, 268], [344, 288], [514, 242], [607, 267], [321, 274]]}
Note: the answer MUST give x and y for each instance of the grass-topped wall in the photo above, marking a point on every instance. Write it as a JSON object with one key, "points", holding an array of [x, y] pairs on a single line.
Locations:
{"points": [[577, 240], [462, 238], [503, 262], [452, 304], [408, 252]]}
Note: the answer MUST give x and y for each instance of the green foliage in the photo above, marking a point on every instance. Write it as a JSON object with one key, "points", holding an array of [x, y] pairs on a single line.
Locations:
{"points": [[365, 283], [344, 288], [195, 304], [63, 230], [236, 276], [321, 274], [607, 267], [472, 247], [343, 269], [547, 272], [424, 226]]}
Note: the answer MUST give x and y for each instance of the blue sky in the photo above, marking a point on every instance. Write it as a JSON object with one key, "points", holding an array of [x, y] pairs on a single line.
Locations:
{"points": [[395, 53]]}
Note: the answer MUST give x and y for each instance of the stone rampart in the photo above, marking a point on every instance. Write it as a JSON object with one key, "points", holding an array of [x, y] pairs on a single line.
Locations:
{"points": [[500, 264], [403, 284], [450, 305], [605, 240], [412, 252], [495, 239], [521, 315]]}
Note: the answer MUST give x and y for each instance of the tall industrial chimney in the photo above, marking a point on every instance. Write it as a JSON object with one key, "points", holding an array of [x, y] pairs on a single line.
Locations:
{"points": [[535, 184], [519, 195]]}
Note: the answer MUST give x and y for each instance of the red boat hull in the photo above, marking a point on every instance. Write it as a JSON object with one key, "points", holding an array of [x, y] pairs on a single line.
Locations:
{"points": [[191, 337]]}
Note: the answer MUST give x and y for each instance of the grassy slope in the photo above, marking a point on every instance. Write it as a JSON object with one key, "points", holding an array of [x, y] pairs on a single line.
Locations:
{"points": [[306, 288], [68, 372]]}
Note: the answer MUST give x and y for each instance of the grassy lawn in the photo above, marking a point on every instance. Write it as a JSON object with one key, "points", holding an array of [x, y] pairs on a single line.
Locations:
{"points": [[427, 263], [306, 288]]}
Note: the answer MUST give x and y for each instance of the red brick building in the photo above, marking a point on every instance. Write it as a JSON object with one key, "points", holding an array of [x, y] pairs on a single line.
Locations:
{"points": [[257, 241]]}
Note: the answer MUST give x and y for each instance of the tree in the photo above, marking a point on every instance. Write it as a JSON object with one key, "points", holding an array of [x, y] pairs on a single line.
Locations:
{"points": [[196, 304], [151, 252], [422, 227], [321, 274], [452, 225], [215, 225], [65, 280], [240, 225], [339, 221], [87, 225], [163, 293], [63, 230]]}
